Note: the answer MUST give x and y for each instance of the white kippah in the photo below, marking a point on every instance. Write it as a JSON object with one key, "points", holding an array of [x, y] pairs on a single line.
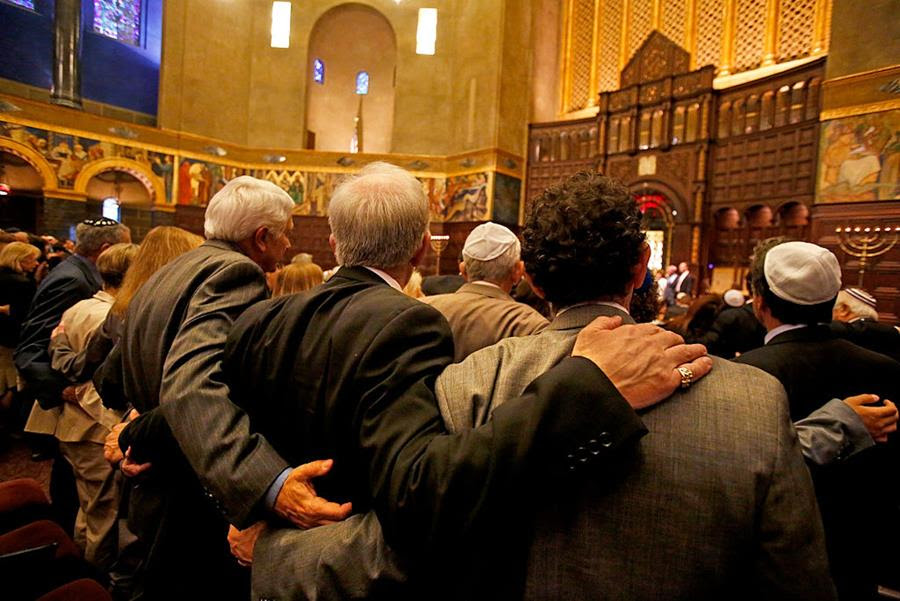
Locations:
{"points": [[488, 241], [802, 273], [734, 298], [862, 296]]}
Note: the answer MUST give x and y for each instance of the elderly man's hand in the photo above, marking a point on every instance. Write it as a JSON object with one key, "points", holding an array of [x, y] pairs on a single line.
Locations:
{"points": [[878, 420], [242, 542], [298, 503], [641, 360]]}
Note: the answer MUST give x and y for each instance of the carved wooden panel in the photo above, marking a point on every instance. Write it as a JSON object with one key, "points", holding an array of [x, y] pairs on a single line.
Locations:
{"points": [[658, 57], [882, 277], [673, 20], [709, 32], [310, 235], [751, 30], [608, 47], [581, 53], [795, 31], [641, 18]]}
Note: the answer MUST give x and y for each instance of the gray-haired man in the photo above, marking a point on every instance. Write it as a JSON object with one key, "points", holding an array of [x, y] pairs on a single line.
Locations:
{"points": [[482, 312]]}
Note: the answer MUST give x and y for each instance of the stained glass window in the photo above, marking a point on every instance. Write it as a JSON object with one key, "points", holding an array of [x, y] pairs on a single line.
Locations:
{"points": [[318, 71], [119, 19], [23, 3], [362, 83]]}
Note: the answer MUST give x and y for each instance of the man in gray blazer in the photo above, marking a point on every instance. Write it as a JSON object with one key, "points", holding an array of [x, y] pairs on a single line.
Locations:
{"points": [[482, 312], [717, 502]]}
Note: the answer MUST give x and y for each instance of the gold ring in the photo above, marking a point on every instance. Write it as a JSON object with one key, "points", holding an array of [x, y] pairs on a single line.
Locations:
{"points": [[687, 377]]}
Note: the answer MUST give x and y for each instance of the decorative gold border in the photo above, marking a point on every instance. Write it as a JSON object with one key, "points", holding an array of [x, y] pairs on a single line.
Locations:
{"points": [[859, 109]]}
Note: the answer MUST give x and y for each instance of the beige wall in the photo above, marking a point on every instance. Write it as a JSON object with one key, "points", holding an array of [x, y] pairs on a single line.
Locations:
{"points": [[865, 36], [221, 79]]}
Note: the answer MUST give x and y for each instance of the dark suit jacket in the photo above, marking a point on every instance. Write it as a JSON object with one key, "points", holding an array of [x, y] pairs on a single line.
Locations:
{"points": [[735, 330], [815, 366], [16, 290], [73, 280], [879, 337], [347, 371], [686, 286]]}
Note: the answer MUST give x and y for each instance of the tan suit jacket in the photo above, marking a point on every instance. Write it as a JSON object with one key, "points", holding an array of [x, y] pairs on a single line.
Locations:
{"points": [[481, 315], [718, 503], [89, 420]]}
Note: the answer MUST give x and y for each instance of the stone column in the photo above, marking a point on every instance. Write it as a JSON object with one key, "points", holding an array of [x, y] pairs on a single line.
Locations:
{"points": [[66, 89]]}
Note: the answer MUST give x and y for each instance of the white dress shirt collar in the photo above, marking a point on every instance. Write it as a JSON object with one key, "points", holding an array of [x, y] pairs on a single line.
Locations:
{"points": [[786, 327], [386, 277]]}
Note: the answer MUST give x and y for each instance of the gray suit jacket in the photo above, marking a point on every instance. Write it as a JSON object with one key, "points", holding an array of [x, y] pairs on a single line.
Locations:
{"points": [[718, 503], [481, 315], [169, 356]]}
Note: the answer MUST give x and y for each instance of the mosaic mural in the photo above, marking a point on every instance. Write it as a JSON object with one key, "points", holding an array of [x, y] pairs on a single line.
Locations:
{"points": [[193, 181], [860, 158], [67, 154], [507, 190], [466, 198]]}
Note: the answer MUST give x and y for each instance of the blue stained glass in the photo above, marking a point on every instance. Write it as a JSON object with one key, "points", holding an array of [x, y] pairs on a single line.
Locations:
{"points": [[119, 19], [23, 3], [362, 83], [318, 71]]}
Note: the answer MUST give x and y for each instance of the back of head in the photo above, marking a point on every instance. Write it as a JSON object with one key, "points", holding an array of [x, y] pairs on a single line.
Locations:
{"points": [[113, 263], [856, 304], [92, 234], [378, 217], [798, 281], [244, 205], [302, 258], [161, 244], [14, 253], [491, 253], [297, 277], [583, 239]]}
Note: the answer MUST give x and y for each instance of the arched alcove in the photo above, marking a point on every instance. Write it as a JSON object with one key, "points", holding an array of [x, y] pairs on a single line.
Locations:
{"points": [[19, 206], [349, 39], [118, 184]]}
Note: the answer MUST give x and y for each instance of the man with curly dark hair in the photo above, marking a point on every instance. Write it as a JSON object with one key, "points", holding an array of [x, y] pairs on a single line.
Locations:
{"points": [[717, 499]]}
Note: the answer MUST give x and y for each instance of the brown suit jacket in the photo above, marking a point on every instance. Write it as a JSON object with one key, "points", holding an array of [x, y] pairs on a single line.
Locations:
{"points": [[481, 315], [717, 504]]}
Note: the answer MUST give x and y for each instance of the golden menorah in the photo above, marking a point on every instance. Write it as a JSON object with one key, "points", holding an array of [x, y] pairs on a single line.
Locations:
{"points": [[439, 245], [865, 243]]}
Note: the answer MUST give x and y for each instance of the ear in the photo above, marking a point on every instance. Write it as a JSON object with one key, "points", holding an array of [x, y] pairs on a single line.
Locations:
{"points": [[103, 247], [517, 272], [332, 242], [640, 270], [422, 251], [259, 239], [537, 289], [462, 270]]}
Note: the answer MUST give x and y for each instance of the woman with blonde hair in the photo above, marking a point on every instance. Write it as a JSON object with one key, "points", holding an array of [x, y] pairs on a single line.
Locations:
{"points": [[18, 261], [297, 277], [161, 245]]}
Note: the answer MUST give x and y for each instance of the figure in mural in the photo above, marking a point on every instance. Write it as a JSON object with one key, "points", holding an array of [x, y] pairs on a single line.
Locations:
{"points": [[467, 197], [184, 183], [860, 158], [164, 168]]}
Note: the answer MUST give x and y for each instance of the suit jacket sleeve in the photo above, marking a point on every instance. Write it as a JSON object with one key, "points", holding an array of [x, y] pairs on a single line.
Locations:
{"points": [[32, 357], [790, 558], [346, 560], [431, 489], [832, 432], [235, 465]]}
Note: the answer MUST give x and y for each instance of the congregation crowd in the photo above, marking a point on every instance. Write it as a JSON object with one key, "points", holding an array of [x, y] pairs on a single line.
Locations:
{"points": [[555, 422]]}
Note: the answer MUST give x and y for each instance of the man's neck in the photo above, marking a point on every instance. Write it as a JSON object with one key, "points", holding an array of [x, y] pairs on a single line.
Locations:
{"points": [[505, 288], [622, 301]]}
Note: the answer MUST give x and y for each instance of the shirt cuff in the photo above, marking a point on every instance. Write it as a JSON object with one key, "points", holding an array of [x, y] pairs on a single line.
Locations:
{"points": [[275, 488]]}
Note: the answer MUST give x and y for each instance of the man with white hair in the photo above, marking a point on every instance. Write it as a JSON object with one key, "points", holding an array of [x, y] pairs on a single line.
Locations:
{"points": [[482, 312], [347, 371], [856, 319], [854, 304], [169, 359], [794, 289]]}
